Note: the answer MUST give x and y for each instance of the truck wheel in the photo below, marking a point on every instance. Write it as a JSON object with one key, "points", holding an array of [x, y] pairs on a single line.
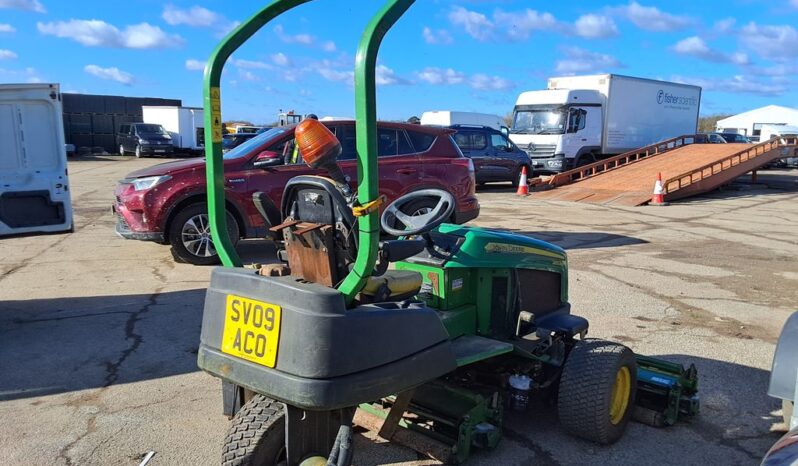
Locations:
{"points": [[138, 152], [256, 436], [597, 390], [787, 407], [190, 235]]}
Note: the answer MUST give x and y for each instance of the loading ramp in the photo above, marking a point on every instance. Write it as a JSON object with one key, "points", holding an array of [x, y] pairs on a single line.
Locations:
{"points": [[688, 166]]}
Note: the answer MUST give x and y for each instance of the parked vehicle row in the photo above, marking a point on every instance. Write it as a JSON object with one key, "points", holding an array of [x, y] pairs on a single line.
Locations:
{"points": [[167, 202]]}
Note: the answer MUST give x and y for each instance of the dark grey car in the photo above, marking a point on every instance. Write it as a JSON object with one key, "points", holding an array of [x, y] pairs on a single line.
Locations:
{"points": [[495, 157], [144, 139]]}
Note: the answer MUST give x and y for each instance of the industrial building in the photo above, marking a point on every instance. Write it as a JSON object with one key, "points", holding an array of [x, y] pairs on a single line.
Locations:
{"points": [[750, 123]]}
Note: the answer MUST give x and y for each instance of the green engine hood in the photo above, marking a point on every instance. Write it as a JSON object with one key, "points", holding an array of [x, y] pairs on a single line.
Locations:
{"points": [[497, 249]]}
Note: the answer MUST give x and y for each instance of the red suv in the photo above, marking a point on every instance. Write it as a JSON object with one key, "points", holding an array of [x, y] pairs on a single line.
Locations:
{"points": [[166, 203]]}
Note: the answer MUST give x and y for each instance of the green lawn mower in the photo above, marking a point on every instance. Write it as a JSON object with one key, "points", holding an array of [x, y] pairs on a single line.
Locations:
{"points": [[468, 322]]}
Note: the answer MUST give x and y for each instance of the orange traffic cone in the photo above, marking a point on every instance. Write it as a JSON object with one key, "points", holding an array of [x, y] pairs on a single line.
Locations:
{"points": [[658, 198], [523, 185]]}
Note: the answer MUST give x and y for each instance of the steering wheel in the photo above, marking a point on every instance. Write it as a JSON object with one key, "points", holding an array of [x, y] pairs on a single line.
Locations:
{"points": [[417, 224]]}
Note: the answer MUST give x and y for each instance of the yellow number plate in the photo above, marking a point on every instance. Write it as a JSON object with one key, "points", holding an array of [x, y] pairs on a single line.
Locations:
{"points": [[251, 330]]}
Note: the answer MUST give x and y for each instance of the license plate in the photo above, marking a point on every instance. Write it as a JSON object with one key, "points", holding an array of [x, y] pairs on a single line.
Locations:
{"points": [[251, 330], [160, 150]]}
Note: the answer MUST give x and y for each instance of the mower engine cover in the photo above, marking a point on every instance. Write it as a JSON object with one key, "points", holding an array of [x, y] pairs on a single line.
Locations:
{"points": [[296, 341]]}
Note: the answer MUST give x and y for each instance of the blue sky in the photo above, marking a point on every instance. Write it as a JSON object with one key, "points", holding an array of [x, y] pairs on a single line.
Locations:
{"points": [[471, 55]]}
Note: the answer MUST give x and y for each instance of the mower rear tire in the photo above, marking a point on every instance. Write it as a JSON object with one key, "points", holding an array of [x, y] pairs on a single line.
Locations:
{"points": [[787, 407], [256, 436], [597, 390]]}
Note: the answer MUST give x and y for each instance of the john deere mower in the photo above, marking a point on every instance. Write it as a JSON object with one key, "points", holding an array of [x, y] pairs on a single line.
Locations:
{"points": [[427, 339]]}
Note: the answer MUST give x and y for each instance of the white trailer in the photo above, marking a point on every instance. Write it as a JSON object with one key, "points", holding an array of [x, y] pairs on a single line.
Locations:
{"points": [[186, 125], [452, 118], [34, 188], [580, 119]]}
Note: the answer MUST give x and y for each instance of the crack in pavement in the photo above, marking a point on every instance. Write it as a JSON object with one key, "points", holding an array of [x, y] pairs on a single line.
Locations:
{"points": [[112, 368], [541, 456]]}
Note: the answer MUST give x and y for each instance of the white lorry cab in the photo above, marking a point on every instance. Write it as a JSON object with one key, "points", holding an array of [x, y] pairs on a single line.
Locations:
{"points": [[451, 118], [34, 189], [580, 119]]}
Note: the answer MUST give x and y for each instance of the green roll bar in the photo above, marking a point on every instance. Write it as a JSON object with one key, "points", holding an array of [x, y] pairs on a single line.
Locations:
{"points": [[366, 129]]}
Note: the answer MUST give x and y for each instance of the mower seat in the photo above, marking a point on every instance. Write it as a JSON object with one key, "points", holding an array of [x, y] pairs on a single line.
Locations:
{"points": [[393, 285]]}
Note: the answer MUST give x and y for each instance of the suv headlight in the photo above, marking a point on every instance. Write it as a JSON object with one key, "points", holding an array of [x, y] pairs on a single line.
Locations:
{"points": [[141, 184], [144, 141]]}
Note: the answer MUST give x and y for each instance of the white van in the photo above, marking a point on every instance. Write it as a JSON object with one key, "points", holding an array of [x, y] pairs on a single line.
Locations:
{"points": [[34, 189], [450, 118]]}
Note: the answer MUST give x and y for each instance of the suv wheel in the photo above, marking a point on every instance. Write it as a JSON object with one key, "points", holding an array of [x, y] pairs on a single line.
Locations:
{"points": [[517, 178], [121, 149], [138, 151], [190, 235]]}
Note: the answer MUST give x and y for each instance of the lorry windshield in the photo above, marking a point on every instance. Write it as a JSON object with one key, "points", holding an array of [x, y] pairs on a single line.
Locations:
{"points": [[246, 148], [539, 120]]}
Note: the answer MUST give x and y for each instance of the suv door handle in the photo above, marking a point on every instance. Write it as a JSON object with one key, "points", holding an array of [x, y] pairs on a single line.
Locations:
{"points": [[406, 171]]}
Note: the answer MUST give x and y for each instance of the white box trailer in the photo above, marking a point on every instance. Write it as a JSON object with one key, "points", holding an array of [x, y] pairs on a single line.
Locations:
{"points": [[579, 119], [452, 118], [186, 125], [34, 188]]}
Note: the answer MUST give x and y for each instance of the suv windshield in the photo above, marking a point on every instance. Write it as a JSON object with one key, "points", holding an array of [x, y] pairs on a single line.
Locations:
{"points": [[150, 129], [258, 140], [539, 120]]}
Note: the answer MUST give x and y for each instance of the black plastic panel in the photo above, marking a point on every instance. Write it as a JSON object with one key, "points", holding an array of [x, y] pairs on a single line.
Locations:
{"points": [[30, 209]]}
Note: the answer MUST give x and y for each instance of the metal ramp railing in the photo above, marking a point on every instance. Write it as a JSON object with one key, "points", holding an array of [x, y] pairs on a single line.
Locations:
{"points": [[733, 165], [618, 161]]}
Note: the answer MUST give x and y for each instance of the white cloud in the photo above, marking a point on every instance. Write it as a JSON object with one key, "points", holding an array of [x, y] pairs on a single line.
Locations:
{"points": [[7, 28], [507, 25], [595, 27], [385, 76], [197, 16], [29, 75], [519, 25], [440, 76], [794, 3], [438, 36], [652, 18], [736, 84], [6, 54], [29, 5], [195, 65], [584, 61], [778, 43], [96, 33], [450, 77], [280, 59], [329, 46], [304, 39], [111, 74], [331, 74], [251, 64], [490, 83], [726, 25], [475, 24], [696, 47], [247, 75]]}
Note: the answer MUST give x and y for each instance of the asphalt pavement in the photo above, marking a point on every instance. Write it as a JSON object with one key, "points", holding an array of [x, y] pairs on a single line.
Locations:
{"points": [[98, 335]]}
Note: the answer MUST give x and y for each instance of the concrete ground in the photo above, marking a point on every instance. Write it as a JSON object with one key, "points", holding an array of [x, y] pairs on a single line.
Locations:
{"points": [[98, 335]]}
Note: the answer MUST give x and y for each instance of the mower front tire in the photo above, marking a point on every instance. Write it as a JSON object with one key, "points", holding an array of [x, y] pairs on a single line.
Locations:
{"points": [[256, 436], [597, 390]]}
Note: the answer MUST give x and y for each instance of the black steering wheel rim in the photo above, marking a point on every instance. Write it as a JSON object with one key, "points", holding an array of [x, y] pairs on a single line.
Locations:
{"points": [[418, 224]]}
